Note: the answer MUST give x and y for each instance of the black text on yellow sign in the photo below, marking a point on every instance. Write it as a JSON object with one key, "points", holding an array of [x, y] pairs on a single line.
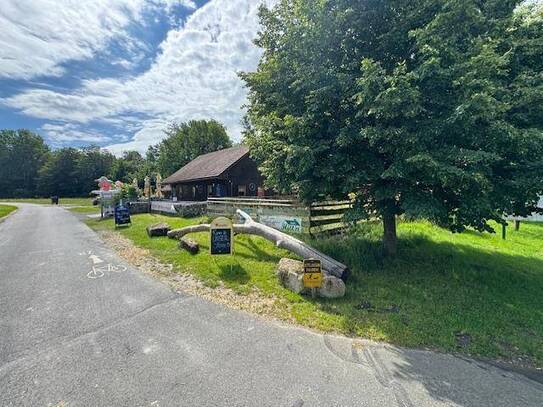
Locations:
{"points": [[312, 273]]}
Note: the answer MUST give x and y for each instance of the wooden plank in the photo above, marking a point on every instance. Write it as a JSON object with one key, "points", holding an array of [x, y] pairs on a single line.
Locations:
{"points": [[327, 203], [252, 201], [331, 208], [323, 218], [327, 228]]}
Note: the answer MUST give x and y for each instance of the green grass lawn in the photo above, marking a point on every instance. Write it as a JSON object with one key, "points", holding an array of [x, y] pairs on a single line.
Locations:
{"points": [[85, 209], [77, 205], [6, 210], [47, 201], [440, 285]]}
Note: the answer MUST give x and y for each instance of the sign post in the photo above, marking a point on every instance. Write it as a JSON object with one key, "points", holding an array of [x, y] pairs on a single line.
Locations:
{"points": [[221, 237], [312, 275]]}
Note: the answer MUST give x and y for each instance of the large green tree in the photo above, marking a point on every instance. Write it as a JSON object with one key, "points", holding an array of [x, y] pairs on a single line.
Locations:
{"points": [[131, 165], [22, 153], [430, 108], [92, 163], [59, 175], [186, 141]]}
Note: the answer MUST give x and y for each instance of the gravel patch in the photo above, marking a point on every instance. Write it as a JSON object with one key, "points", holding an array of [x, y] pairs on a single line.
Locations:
{"points": [[254, 302]]}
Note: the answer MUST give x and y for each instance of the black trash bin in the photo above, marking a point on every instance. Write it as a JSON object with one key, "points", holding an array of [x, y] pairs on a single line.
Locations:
{"points": [[54, 200]]}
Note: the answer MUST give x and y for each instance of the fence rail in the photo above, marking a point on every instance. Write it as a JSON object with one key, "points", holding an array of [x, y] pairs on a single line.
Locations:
{"points": [[285, 214]]}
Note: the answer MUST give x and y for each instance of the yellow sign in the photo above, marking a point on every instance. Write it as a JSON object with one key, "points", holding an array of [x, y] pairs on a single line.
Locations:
{"points": [[312, 273], [222, 237]]}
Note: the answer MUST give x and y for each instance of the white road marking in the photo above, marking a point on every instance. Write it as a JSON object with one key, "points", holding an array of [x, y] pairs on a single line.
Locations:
{"points": [[98, 272], [95, 259], [95, 273]]}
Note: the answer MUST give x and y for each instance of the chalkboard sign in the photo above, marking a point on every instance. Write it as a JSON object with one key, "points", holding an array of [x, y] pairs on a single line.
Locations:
{"points": [[222, 233], [122, 215]]}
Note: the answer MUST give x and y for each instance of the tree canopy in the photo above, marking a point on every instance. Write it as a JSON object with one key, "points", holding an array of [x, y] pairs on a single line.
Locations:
{"points": [[28, 168], [22, 154], [427, 109], [186, 141]]}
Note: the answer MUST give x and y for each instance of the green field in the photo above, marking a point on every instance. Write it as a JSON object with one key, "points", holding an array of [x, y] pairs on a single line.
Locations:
{"points": [[85, 209], [471, 293], [6, 210], [47, 201]]}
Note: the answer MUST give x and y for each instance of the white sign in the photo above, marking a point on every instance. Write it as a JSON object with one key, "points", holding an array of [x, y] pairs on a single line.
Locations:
{"points": [[284, 223], [107, 200]]}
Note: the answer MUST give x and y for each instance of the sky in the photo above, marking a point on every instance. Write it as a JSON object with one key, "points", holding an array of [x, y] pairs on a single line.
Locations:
{"points": [[114, 73]]}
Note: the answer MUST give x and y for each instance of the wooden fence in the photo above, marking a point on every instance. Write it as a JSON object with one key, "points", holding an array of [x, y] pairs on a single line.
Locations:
{"points": [[285, 214], [328, 216]]}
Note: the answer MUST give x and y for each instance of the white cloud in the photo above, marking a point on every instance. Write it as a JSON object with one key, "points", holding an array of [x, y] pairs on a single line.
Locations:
{"points": [[190, 4], [194, 76], [39, 35], [60, 134]]}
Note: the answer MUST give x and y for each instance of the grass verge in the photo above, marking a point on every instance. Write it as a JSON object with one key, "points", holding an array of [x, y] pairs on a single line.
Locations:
{"points": [[471, 293], [85, 209], [5, 210], [47, 201]]}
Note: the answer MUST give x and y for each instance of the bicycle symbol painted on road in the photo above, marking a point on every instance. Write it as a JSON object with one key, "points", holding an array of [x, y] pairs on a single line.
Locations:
{"points": [[99, 272]]}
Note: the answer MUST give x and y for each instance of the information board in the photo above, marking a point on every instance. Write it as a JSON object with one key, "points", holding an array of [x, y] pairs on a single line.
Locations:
{"points": [[312, 273], [221, 237], [107, 203], [122, 215]]}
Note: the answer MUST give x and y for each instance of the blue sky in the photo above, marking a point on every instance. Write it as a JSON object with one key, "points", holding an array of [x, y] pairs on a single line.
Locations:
{"points": [[116, 72]]}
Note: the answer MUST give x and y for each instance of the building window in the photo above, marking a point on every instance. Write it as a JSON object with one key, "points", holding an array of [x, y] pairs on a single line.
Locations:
{"points": [[210, 190], [242, 190]]}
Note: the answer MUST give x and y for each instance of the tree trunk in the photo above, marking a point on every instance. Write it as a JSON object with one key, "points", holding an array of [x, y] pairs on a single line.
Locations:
{"points": [[390, 239]]}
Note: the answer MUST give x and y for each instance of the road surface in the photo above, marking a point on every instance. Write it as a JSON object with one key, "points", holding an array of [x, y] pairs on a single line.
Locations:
{"points": [[79, 327]]}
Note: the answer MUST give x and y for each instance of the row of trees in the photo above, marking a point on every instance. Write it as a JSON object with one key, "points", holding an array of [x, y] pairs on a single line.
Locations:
{"points": [[423, 108], [29, 168]]}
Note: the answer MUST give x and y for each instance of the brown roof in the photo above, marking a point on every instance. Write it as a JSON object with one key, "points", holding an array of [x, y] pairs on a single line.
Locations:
{"points": [[211, 165]]}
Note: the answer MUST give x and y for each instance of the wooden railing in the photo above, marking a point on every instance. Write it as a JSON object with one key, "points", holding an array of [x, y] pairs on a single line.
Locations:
{"points": [[285, 214]]}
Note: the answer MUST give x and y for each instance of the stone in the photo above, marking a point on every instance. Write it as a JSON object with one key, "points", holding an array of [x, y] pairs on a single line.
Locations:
{"points": [[158, 230], [291, 274], [189, 245], [191, 210], [332, 287]]}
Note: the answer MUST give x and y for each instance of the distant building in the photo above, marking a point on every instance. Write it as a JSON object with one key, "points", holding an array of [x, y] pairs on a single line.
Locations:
{"points": [[225, 173]]}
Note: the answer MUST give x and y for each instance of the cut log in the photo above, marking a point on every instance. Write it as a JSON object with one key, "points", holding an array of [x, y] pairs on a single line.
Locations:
{"points": [[281, 240], [189, 245], [157, 230]]}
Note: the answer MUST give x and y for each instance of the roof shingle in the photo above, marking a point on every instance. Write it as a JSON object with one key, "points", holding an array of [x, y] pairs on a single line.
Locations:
{"points": [[211, 165]]}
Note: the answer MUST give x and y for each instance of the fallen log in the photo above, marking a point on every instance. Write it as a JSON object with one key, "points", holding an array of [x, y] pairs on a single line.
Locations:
{"points": [[281, 240]]}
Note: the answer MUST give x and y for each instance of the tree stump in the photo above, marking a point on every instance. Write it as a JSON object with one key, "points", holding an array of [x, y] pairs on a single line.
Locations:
{"points": [[189, 245]]}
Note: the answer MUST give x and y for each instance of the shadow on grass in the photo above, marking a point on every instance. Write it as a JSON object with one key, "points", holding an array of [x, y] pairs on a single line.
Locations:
{"points": [[233, 273], [256, 252], [439, 289]]}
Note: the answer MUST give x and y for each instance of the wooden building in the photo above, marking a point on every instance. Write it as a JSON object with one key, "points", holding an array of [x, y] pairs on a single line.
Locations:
{"points": [[225, 173]]}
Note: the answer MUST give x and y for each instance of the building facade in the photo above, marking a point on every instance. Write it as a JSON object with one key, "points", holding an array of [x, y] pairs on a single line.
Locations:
{"points": [[225, 173]]}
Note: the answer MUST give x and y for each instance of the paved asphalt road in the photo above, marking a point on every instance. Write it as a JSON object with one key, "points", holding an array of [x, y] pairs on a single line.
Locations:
{"points": [[115, 337]]}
